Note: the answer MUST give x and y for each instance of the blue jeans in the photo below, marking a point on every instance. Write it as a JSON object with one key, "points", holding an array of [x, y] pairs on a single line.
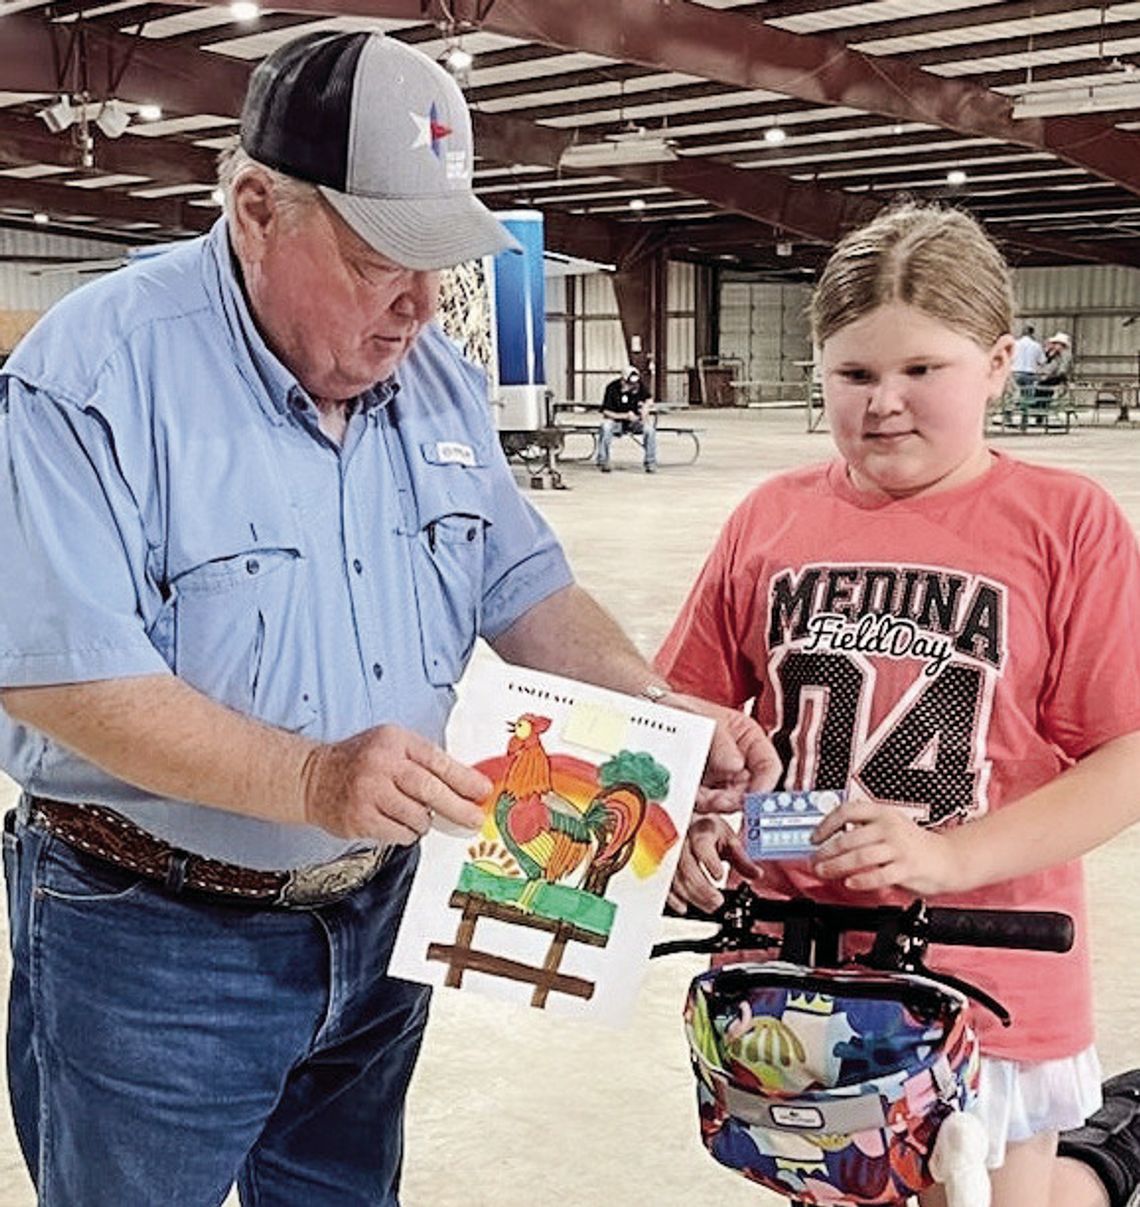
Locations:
{"points": [[646, 429], [161, 1048], [1025, 383]]}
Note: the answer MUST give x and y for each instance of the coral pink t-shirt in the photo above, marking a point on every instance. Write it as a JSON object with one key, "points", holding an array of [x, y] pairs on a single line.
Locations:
{"points": [[949, 654]]}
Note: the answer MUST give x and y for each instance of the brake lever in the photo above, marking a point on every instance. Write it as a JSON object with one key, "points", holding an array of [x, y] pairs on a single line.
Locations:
{"points": [[734, 922], [671, 946], [901, 945]]}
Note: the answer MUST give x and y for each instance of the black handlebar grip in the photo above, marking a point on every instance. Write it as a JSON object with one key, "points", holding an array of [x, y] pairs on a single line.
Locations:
{"points": [[1031, 930]]}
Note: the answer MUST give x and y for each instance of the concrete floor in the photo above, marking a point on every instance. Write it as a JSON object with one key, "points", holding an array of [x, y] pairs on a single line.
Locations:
{"points": [[511, 1108]]}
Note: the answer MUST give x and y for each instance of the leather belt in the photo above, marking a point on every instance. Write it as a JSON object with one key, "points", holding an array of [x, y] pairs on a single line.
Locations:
{"points": [[107, 835]]}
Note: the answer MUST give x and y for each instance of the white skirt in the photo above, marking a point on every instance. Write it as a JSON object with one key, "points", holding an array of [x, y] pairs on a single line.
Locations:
{"points": [[1018, 1101]]}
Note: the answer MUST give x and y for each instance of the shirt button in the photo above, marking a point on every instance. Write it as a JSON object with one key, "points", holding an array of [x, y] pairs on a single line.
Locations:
{"points": [[299, 403], [358, 565], [252, 565], [378, 670], [470, 534]]}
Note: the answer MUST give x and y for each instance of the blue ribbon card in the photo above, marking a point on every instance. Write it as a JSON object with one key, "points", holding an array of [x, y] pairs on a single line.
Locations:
{"points": [[778, 825]]}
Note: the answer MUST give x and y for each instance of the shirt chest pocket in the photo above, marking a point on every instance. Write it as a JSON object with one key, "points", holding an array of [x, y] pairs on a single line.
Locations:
{"points": [[242, 634], [448, 556]]}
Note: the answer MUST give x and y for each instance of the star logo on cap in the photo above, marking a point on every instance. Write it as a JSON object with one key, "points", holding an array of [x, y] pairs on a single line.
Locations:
{"points": [[430, 131]]}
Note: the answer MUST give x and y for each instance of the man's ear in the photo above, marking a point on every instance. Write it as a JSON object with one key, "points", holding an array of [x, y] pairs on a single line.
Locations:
{"points": [[253, 214]]}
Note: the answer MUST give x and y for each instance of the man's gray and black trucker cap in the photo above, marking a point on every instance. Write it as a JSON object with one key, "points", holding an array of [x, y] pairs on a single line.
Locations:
{"points": [[384, 132]]}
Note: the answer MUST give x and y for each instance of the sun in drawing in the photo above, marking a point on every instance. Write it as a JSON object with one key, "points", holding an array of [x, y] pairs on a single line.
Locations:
{"points": [[492, 858]]}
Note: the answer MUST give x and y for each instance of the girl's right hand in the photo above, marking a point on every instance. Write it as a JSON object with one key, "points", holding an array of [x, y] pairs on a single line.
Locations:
{"points": [[712, 848]]}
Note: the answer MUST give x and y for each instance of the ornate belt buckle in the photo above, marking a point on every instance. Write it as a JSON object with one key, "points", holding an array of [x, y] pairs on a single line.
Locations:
{"points": [[320, 883]]}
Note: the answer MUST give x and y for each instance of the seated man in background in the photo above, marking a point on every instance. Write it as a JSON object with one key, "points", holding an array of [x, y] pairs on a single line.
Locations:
{"points": [[1055, 369], [627, 407]]}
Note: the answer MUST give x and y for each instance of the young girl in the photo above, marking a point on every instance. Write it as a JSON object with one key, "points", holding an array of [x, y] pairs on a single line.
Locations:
{"points": [[953, 636]]}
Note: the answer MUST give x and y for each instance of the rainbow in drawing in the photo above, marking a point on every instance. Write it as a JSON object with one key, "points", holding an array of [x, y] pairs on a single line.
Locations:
{"points": [[578, 783], [654, 840]]}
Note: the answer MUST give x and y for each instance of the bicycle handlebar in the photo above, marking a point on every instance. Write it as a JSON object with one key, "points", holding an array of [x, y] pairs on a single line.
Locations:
{"points": [[1032, 930]]}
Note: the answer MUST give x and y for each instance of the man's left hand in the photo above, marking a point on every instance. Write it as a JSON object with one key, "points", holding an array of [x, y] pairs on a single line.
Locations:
{"points": [[741, 758]]}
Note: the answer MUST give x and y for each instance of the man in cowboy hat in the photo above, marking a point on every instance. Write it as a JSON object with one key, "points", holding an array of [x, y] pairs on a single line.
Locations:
{"points": [[1058, 360]]}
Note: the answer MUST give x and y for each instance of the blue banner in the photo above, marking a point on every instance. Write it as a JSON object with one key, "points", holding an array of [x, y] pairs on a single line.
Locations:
{"points": [[520, 303]]}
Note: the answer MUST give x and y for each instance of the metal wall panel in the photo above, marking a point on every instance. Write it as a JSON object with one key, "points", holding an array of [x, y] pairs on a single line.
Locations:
{"points": [[681, 333], [603, 347], [681, 336], [27, 286], [682, 287], [555, 357], [1098, 305], [1076, 288], [597, 294], [764, 325], [555, 287], [1103, 345], [600, 348], [599, 345]]}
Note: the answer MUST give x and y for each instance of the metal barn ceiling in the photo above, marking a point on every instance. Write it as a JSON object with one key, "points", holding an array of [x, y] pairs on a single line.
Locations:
{"points": [[1025, 112]]}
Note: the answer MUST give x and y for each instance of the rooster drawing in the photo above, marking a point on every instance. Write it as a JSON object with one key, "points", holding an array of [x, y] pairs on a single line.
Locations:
{"points": [[550, 836]]}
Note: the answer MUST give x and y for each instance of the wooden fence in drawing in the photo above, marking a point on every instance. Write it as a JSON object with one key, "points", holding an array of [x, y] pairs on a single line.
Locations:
{"points": [[461, 955]]}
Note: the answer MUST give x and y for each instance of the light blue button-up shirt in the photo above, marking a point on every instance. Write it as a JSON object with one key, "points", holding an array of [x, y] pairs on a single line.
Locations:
{"points": [[168, 503]]}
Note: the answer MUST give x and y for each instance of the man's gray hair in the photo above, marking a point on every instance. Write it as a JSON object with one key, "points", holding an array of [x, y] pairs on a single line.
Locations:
{"points": [[290, 193]]}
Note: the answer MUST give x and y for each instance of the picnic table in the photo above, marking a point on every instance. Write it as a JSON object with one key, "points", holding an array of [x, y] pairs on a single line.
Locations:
{"points": [[584, 418]]}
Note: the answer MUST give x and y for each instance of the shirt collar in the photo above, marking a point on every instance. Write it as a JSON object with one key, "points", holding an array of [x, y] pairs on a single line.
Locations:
{"points": [[278, 386]]}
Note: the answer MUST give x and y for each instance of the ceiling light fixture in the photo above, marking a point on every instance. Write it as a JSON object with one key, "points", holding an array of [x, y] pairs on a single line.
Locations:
{"points": [[637, 203], [66, 112], [245, 10], [113, 118], [616, 150], [775, 135], [150, 113], [40, 218], [631, 144], [457, 60], [1093, 98], [955, 177], [58, 115]]}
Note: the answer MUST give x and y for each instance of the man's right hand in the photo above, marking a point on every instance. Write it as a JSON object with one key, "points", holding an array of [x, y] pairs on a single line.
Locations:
{"points": [[712, 849], [387, 784]]}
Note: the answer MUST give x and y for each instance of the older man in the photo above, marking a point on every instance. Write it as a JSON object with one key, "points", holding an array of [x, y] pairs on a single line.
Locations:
{"points": [[1058, 363], [253, 516]]}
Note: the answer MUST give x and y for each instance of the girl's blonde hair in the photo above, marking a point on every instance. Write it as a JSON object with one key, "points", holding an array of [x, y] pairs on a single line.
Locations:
{"points": [[937, 260]]}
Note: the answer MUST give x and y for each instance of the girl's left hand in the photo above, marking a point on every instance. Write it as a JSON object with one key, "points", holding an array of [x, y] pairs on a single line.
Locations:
{"points": [[871, 846]]}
